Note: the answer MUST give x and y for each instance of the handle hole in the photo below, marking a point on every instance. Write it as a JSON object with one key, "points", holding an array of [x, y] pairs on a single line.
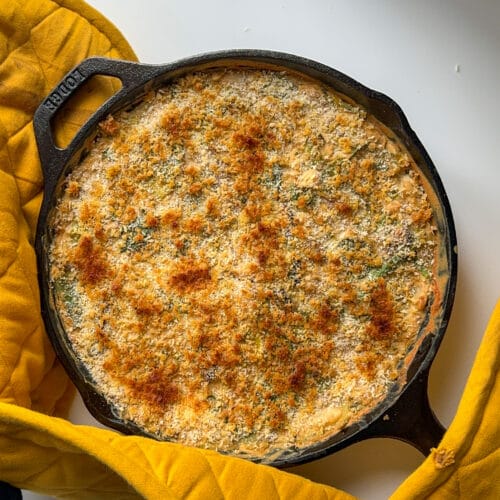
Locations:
{"points": [[80, 107]]}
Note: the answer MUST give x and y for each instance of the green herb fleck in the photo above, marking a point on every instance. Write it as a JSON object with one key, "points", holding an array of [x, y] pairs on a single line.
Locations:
{"points": [[65, 290]]}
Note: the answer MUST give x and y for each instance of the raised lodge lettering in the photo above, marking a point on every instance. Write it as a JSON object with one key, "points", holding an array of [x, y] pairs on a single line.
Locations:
{"points": [[64, 89]]}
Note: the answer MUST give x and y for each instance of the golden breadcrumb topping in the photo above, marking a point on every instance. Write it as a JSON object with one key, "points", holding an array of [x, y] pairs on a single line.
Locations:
{"points": [[243, 261]]}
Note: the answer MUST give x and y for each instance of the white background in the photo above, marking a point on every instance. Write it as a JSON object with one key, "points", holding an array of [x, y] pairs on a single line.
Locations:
{"points": [[440, 60]]}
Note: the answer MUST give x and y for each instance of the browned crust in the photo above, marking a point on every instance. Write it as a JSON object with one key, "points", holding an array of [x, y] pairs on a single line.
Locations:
{"points": [[311, 282]]}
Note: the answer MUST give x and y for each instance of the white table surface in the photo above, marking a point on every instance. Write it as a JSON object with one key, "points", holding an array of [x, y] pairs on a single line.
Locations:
{"points": [[440, 60]]}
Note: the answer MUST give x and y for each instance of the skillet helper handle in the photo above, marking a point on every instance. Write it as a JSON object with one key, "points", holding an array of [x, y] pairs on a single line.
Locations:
{"points": [[131, 75], [411, 419]]}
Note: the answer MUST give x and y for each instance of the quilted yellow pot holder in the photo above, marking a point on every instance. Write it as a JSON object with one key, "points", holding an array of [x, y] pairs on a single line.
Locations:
{"points": [[40, 41]]}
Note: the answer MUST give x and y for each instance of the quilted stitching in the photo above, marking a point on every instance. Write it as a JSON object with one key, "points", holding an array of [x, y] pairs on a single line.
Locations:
{"points": [[27, 73], [176, 471]]}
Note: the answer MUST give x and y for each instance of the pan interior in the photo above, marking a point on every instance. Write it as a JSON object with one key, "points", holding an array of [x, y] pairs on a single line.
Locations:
{"points": [[371, 291]]}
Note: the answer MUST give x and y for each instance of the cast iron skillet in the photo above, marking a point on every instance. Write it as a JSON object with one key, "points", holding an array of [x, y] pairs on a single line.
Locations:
{"points": [[405, 414]]}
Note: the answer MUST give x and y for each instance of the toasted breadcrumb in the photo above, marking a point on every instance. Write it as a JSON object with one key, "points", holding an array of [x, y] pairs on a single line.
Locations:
{"points": [[253, 269]]}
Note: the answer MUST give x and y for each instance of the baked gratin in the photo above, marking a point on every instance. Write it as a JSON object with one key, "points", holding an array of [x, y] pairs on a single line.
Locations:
{"points": [[244, 261]]}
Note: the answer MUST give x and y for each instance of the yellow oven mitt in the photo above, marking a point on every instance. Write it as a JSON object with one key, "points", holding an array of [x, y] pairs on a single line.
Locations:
{"points": [[466, 463], [40, 40]]}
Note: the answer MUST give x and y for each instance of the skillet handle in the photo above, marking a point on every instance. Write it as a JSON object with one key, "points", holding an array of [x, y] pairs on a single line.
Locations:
{"points": [[132, 75], [411, 419]]}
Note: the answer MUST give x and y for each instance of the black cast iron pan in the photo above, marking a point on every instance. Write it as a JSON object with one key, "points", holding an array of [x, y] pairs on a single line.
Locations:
{"points": [[405, 414]]}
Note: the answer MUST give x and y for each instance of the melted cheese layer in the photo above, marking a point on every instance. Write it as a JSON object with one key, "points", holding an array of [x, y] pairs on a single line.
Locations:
{"points": [[243, 261]]}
